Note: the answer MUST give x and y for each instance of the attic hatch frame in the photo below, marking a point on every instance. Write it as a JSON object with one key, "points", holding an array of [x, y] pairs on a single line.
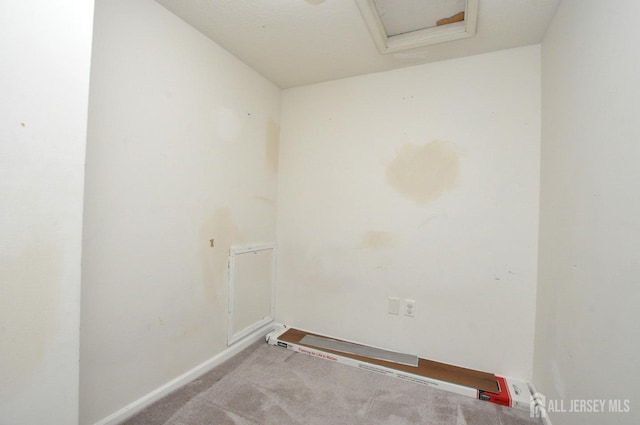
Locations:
{"points": [[418, 38]]}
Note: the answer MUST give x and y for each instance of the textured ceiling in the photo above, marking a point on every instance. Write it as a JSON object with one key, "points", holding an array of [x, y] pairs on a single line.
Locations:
{"points": [[299, 42]]}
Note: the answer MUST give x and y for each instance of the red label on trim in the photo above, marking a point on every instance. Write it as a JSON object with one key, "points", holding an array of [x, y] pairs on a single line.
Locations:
{"points": [[502, 397]]}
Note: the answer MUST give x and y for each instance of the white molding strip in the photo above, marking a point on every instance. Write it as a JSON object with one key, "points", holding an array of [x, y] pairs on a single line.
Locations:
{"points": [[135, 407]]}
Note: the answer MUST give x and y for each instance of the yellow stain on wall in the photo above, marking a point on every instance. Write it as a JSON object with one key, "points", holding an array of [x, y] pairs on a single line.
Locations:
{"points": [[222, 228], [377, 239], [29, 298], [423, 173]]}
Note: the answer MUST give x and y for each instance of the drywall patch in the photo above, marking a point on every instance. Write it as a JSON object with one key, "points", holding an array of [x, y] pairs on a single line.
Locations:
{"points": [[265, 200], [30, 278], [376, 240], [423, 172], [222, 228], [273, 145]]}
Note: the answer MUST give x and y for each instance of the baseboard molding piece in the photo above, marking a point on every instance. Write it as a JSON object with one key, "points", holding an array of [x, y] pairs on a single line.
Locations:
{"points": [[138, 405], [510, 392]]}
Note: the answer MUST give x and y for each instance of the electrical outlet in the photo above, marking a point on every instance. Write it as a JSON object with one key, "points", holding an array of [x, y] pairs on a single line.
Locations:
{"points": [[394, 305], [410, 308]]}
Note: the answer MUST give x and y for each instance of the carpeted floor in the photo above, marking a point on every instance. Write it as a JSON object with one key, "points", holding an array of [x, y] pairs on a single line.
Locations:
{"points": [[266, 385]]}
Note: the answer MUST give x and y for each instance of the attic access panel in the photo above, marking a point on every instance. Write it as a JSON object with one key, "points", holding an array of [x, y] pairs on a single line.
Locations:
{"points": [[398, 25]]}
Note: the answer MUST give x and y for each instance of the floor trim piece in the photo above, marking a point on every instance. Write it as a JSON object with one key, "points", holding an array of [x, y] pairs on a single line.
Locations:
{"points": [[508, 392], [427, 368], [148, 399]]}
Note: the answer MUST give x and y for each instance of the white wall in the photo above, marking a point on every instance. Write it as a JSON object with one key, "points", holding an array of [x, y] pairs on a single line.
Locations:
{"points": [[182, 148], [45, 52], [420, 183], [587, 336]]}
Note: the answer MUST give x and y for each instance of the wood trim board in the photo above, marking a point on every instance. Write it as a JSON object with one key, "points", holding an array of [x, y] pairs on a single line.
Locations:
{"points": [[427, 368]]}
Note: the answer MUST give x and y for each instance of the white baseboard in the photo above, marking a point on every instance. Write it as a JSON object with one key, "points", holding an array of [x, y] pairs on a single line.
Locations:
{"points": [[146, 400]]}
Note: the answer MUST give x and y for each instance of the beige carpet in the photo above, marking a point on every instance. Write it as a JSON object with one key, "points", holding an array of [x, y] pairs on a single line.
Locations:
{"points": [[266, 385]]}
